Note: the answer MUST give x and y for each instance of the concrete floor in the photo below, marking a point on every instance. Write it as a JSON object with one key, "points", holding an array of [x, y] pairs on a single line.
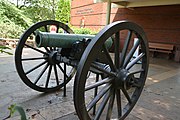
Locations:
{"points": [[160, 99]]}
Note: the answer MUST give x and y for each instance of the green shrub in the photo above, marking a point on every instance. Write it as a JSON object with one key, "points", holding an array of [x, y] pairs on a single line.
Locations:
{"points": [[13, 14], [12, 21], [10, 30], [84, 31]]}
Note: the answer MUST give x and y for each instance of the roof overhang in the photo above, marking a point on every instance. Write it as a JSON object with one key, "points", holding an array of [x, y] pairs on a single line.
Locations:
{"points": [[139, 3]]}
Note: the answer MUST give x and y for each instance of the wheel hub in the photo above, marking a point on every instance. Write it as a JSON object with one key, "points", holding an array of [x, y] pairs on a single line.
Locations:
{"points": [[52, 57], [123, 80]]}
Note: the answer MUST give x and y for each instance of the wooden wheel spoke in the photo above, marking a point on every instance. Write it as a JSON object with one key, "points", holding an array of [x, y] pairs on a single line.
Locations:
{"points": [[127, 95], [56, 75], [48, 76], [130, 54], [40, 75], [109, 59], [37, 58], [51, 48], [102, 105], [110, 106], [63, 71], [97, 66], [32, 69], [134, 61], [118, 100], [95, 93], [71, 73], [34, 33], [57, 28], [65, 79], [36, 49], [136, 83], [136, 72], [125, 48], [104, 81], [47, 50], [45, 27], [117, 48], [98, 97]]}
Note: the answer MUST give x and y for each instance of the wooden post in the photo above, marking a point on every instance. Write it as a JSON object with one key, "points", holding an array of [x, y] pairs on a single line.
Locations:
{"points": [[108, 14]]}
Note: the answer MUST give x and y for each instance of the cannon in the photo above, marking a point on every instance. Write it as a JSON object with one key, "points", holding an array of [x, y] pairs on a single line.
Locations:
{"points": [[108, 78]]}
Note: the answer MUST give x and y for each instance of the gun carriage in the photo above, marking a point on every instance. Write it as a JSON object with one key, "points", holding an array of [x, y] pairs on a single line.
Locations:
{"points": [[108, 78]]}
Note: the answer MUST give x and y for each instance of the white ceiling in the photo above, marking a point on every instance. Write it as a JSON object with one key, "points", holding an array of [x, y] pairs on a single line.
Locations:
{"points": [[140, 3]]}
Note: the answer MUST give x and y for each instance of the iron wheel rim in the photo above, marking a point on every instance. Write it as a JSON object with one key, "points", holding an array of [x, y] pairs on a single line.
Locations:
{"points": [[88, 57], [19, 54]]}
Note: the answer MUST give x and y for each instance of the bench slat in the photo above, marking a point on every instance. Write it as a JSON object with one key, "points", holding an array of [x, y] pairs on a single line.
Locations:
{"points": [[163, 51], [161, 46]]}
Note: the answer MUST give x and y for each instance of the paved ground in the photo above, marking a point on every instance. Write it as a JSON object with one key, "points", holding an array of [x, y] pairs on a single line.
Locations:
{"points": [[160, 99]]}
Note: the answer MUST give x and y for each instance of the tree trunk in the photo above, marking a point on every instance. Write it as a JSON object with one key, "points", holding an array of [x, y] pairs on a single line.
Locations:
{"points": [[53, 9], [17, 4]]}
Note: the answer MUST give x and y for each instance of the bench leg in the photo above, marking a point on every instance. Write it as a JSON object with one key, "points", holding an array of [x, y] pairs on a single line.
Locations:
{"points": [[169, 56], [153, 54]]}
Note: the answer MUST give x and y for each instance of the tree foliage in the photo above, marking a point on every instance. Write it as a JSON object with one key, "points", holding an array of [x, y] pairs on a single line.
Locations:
{"points": [[13, 14], [17, 17], [63, 11], [12, 20], [39, 10]]}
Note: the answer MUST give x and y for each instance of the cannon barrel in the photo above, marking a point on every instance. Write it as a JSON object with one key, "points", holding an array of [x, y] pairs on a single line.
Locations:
{"points": [[62, 40]]}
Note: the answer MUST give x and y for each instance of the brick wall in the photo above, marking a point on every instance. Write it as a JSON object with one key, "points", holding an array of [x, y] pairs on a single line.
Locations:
{"points": [[94, 14], [161, 23]]}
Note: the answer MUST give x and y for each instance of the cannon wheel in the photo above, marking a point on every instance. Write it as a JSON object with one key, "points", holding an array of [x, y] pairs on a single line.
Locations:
{"points": [[37, 67], [113, 92]]}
